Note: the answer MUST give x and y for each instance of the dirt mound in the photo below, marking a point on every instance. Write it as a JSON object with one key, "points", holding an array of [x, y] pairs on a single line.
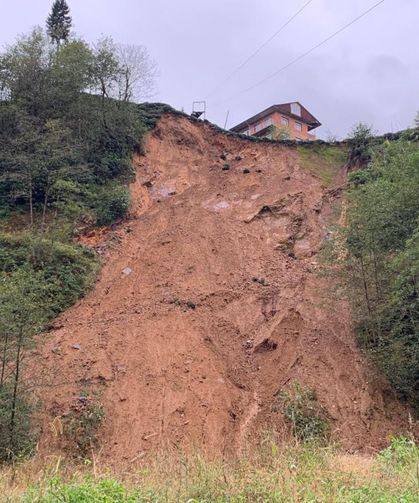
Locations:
{"points": [[210, 304]]}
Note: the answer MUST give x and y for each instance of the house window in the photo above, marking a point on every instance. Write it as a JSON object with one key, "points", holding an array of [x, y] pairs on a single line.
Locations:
{"points": [[296, 109], [298, 126], [284, 121], [259, 126]]}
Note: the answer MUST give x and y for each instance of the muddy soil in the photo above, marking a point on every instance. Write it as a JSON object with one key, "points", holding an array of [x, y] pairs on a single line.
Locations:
{"points": [[212, 302]]}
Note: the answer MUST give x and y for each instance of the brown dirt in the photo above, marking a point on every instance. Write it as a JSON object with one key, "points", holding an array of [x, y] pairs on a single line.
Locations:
{"points": [[210, 304]]}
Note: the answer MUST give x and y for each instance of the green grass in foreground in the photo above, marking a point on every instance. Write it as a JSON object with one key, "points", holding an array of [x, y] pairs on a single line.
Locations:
{"points": [[294, 474]]}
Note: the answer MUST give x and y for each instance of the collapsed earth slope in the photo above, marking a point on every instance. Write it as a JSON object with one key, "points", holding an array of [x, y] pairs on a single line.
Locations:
{"points": [[210, 304]]}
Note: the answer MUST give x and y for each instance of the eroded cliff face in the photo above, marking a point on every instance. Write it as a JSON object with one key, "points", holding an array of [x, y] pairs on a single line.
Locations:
{"points": [[210, 304]]}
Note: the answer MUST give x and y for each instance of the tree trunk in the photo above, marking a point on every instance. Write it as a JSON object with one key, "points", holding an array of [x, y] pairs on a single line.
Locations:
{"points": [[12, 425], [44, 212], [3, 362], [31, 201], [364, 282]]}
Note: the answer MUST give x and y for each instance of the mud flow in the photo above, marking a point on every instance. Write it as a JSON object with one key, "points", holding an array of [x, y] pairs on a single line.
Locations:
{"points": [[210, 303]]}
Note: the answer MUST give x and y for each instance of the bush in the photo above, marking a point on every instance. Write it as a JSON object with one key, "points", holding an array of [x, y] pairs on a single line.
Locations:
{"points": [[81, 426], [112, 203], [307, 417], [66, 270], [88, 491], [401, 452], [360, 177]]}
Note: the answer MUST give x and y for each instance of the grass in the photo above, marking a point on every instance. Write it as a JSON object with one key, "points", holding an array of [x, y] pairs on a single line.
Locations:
{"points": [[296, 473], [323, 161]]}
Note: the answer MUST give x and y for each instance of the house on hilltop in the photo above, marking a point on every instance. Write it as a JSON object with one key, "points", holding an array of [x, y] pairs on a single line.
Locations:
{"points": [[290, 118]]}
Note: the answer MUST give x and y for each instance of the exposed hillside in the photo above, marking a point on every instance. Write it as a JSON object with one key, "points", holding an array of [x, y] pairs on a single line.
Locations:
{"points": [[210, 304]]}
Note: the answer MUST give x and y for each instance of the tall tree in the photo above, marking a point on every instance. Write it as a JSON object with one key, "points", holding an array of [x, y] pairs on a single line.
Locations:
{"points": [[137, 73], [59, 22]]}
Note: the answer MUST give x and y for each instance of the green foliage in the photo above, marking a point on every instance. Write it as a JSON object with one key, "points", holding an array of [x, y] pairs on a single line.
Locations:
{"points": [[18, 441], [382, 238], [360, 177], [59, 21], [276, 474], [39, 277], [64, 271], [300, 406], [401, 452], [23, 311], [59, 144], [279, 133], [112, 204], [360, 140], [88, 491], [81, 426]]}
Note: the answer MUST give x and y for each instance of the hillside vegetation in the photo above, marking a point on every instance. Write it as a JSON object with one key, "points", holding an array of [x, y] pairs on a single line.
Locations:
{"points": [[382, 261]]}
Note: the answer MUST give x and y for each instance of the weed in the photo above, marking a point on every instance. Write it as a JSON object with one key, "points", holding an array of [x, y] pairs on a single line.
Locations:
{"points": [[300, 406], [274, 474], [401, 452], [81, 426]]}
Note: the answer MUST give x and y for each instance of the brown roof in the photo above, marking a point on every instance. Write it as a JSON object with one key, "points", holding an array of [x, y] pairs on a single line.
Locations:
{"points": [[284, 108]]}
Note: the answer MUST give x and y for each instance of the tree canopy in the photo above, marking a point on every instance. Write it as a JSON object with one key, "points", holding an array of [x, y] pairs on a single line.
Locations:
{"points": [[59, 22]]}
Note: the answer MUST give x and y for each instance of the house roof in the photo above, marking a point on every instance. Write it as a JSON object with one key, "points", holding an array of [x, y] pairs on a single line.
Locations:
{"points": [[283, 108]]}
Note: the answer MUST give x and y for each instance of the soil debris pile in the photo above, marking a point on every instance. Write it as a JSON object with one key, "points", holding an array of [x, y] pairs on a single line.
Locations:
{"points": [[211, 304]]}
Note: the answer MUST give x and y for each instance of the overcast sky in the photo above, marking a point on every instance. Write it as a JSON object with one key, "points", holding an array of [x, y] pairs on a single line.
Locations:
{"points": [[369, 72]]}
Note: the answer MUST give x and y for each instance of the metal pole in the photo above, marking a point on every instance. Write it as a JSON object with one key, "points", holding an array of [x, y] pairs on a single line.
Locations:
{"points": [[225, 123]]}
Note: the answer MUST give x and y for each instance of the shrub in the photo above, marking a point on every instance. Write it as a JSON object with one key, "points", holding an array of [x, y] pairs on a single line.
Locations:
{"points": [[112, 203], [300, 406], [67, 270], [87, 491], [401, 452], [81, 426]]}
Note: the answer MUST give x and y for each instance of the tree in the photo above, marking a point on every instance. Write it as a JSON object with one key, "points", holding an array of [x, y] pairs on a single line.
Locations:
{"points": [[18, 163], [280, 133], [105, 71], [23, 311], [59, 22], [24, 74], [70, 76], [359, 139], [137, 73]]}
